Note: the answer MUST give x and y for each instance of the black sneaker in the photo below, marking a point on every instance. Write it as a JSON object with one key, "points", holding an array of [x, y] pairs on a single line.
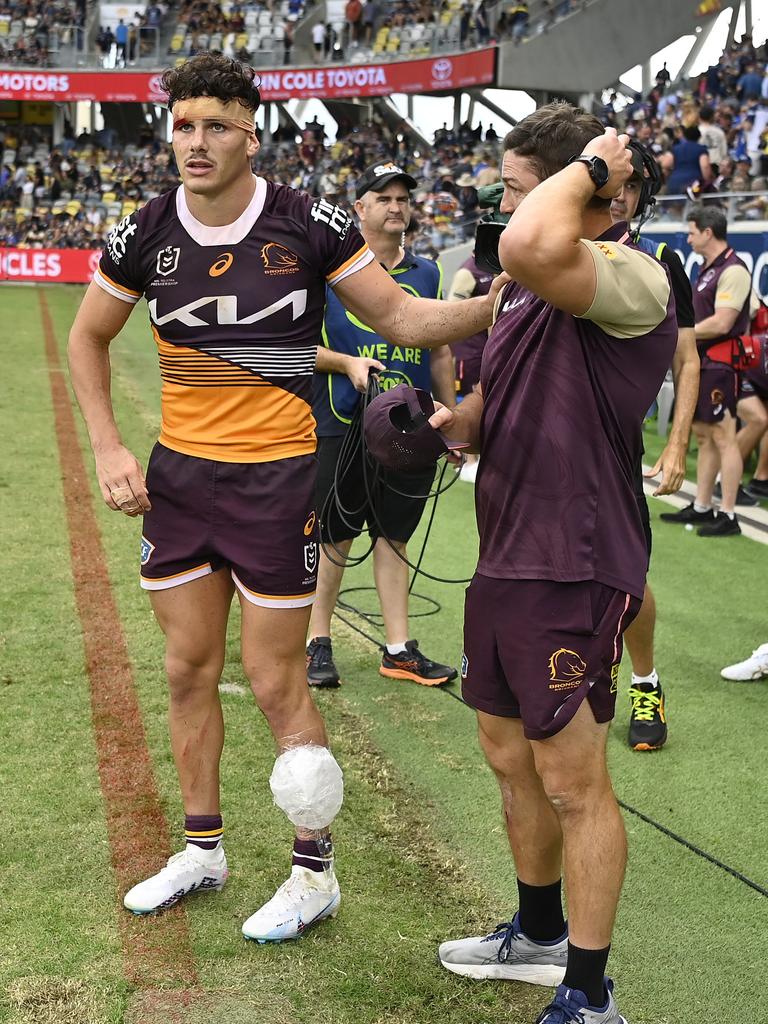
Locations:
{"points": [[688, 515], [757, 488], [412, 664], [321, 670], [648, 717], [722, 526], [743, 497]]}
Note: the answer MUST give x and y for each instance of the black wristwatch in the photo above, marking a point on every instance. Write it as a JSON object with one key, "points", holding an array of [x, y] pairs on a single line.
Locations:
{"points": [[597, 167]]}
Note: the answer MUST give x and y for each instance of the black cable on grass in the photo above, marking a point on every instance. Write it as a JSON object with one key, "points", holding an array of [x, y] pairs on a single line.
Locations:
{"points": [[685, 843], [694, 849]]}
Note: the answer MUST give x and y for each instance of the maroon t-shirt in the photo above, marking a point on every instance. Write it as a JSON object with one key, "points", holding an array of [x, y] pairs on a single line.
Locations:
{"points": [[564, 403], [236, 312]]}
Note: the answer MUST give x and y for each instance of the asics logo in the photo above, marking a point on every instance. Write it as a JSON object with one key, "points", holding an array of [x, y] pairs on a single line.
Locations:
{"points": [[222, 265], [226, 310]]}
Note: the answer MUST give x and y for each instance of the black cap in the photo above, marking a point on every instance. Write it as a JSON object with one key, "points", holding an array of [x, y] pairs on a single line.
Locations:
{"points": [[375, 177], [398, 433]]}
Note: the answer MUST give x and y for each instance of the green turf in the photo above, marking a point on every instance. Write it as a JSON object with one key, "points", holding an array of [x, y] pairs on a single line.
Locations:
{"points": [[421, 844]]}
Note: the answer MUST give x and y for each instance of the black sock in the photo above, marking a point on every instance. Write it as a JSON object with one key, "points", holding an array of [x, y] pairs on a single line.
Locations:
{"points": [[541, 911], [586, 972]]}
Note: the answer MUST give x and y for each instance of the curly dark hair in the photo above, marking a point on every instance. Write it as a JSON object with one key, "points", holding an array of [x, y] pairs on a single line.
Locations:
{"points": [[551, 135], [212, 74]]}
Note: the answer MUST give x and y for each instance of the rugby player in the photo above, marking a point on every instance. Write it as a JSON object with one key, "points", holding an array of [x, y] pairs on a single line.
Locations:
{"points": [[234, 270], [590, 323], [648, 716], [721, 302], [383, 208]]}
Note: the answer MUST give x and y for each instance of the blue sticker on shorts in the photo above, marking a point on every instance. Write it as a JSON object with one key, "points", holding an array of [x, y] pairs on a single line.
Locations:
{"points": [[146, 550]]}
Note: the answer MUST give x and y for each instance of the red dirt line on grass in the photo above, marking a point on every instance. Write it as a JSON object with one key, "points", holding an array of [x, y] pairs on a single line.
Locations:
{"points": [[156, 950]]}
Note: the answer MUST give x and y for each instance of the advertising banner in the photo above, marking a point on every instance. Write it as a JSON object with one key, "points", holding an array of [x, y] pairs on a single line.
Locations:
{"points": [[429, 74], [749, 241], [50, 266]]}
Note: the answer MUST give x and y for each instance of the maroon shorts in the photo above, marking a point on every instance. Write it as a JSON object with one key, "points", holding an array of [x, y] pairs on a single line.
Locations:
{"points": [[718, 392], [255, 519], [534, 649]]}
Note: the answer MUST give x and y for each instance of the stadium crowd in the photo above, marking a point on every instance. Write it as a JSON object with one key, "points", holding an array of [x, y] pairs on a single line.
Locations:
{"points": [[28, 30], [710, 139]]}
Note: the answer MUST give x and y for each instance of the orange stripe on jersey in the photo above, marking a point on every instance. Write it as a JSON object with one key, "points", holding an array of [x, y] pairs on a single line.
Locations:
{"points": [[330, 278], [120, 287], [219, 411]]}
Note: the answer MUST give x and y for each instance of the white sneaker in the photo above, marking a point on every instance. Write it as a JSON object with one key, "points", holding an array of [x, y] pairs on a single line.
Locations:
{"points": [[468, 472], [184, 873], [306, 898], [753, 668]]}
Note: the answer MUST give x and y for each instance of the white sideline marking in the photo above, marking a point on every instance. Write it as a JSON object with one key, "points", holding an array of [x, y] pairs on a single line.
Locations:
{"points": [[686, 495]]}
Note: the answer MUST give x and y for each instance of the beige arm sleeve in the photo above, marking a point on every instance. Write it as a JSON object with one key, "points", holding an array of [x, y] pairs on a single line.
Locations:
{"points": [[462, 285], [733, 287], [632, 290]]}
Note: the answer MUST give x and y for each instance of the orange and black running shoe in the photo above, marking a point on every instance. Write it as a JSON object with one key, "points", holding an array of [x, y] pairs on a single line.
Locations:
{"points": [[412, 664], [648, 717]]}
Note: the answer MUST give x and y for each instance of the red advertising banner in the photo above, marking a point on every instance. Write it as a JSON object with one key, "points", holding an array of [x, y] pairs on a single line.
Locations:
{"points": [[430, 74], [58, 266]]}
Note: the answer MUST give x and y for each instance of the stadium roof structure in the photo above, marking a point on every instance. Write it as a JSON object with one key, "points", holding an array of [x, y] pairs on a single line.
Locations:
{"points": [[596, 45]]}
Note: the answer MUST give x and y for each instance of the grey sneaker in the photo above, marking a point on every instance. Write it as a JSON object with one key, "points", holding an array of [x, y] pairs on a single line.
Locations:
{"points": [[570, 1007], [507, 954]]}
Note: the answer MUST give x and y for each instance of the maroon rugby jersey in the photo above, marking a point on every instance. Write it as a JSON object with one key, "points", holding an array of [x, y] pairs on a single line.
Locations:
{"points": [[236, 312], [564, 403], [706, 299]]}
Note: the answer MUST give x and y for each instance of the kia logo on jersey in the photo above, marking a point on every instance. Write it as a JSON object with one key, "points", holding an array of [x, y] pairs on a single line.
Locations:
{"points": [[168, 260], [222, 265]]}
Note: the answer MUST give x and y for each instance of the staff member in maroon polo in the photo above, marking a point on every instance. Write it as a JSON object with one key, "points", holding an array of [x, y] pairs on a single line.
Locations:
{"points": [[589, 322]]}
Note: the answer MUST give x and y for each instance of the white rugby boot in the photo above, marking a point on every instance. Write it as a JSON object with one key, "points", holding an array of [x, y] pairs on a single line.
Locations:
{"points": [[305, 899], [749, 670], [184, 873]]}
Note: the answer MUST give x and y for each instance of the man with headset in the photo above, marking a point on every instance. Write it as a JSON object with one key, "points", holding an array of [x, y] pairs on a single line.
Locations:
{"points": [[648, 718], [350, 351]]}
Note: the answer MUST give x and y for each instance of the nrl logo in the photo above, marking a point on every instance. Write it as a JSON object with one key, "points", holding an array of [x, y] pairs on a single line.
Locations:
{"points": [[310, 557], [168, 260]]}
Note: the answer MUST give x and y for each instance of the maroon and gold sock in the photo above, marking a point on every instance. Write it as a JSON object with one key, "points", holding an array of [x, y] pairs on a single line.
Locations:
{"points": [[315, 854], [205, 831]]}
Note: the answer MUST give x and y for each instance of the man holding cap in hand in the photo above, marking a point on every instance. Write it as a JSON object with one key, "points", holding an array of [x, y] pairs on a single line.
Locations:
{"points": [[350, 351]]}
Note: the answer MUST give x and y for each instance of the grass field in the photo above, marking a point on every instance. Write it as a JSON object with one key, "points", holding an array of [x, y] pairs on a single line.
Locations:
{"points": [[422, 852]]}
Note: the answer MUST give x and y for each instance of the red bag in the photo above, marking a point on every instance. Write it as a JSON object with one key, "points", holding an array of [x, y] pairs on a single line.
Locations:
{"points": [[760, 321], [748, 352]]}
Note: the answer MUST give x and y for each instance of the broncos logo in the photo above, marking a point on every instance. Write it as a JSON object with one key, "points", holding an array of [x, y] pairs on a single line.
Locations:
{"points": [[278, 259], [567, 667]]}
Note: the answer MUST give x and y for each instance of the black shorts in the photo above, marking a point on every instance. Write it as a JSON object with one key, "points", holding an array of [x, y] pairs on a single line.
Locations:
{"points": [[385, 512], [255, 520]]}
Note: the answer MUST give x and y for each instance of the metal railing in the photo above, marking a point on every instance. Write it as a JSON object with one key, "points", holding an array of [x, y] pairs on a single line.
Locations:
{"points": [[737, 206]]}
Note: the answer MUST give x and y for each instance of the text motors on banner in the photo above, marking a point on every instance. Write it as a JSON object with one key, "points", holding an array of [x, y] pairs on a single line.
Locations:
{"points": [[432, 74], [62, 266]]}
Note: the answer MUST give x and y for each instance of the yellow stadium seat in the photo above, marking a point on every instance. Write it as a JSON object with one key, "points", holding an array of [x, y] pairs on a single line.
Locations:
{"points": [[129, 206], [109, 197], [73, 207], [241, 40], [176, 43], [393, 45]]}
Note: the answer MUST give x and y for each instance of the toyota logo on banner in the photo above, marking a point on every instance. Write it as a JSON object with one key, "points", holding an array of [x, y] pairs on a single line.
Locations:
{"points": [[156, 90], [442, 70]]}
